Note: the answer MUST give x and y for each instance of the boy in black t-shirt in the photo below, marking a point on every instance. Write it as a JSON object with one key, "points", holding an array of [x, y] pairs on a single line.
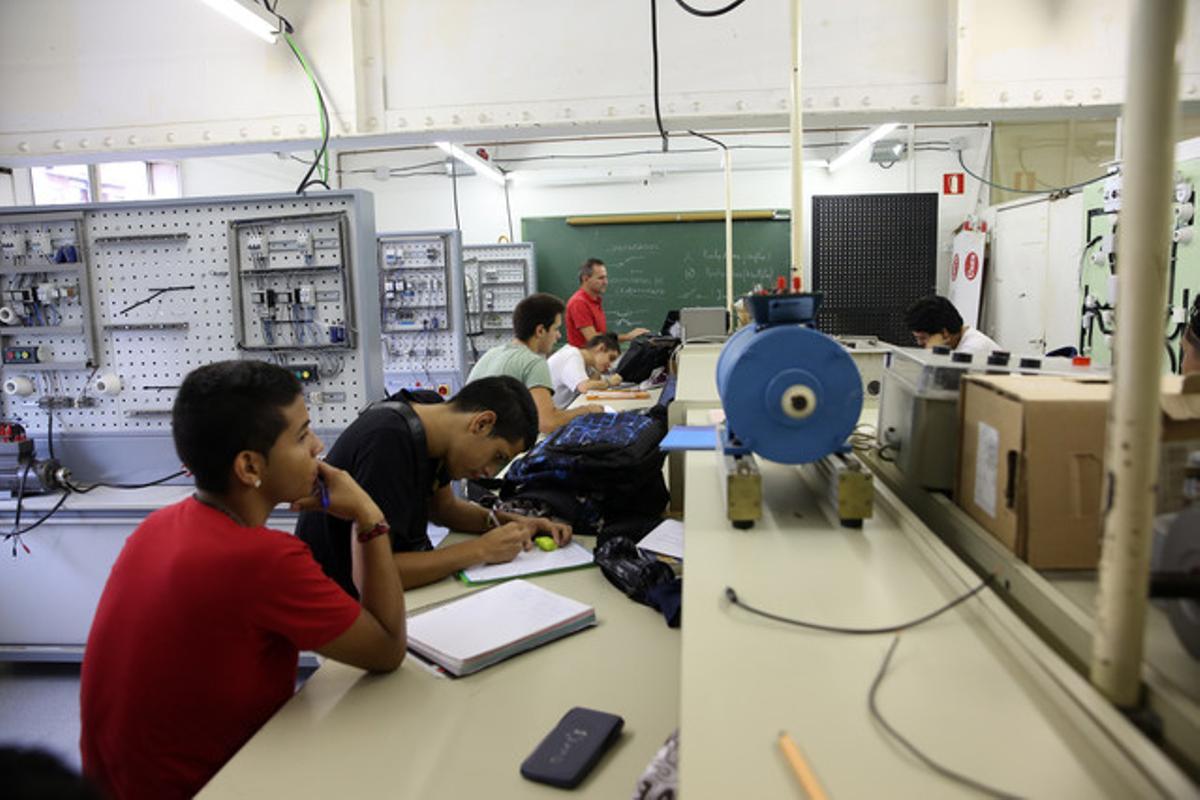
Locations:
{"points": [[405, 453]]}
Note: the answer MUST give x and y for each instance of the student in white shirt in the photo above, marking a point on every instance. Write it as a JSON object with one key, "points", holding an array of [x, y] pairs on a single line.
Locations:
{"points": [[580, 369], [934, 320]]}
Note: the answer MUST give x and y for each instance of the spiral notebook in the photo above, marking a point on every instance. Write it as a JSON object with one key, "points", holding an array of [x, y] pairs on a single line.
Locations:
{"points": [[488, 626]]}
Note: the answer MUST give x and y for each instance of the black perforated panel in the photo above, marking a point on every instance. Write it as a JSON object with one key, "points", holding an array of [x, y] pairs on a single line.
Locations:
{"points": [[873, 254]]}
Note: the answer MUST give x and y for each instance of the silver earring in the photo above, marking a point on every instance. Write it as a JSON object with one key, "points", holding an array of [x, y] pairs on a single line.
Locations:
{"points": [[257, 483]]}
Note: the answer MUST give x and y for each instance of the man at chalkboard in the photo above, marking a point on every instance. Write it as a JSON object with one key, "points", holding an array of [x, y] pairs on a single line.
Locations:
{"points": [[585, 309]]}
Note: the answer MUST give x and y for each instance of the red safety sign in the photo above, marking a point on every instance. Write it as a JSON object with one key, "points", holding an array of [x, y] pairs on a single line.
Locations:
{"points": [[952, 183], [972, 266]]}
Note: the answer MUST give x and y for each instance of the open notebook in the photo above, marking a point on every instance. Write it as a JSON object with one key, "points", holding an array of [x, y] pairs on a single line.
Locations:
{"points": [[530, 562], [476, 631]]}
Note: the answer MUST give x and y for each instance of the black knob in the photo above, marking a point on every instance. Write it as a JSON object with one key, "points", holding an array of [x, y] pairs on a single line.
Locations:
{"points": [[941, 349], [1031, 363], [962, 358], [999, 357]]}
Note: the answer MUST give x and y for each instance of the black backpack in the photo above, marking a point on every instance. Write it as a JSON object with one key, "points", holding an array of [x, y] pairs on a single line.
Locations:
{"points": [[598, 472], [646, 353]]}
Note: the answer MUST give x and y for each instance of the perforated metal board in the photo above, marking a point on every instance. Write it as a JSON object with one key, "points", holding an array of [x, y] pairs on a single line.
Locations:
{"points": [[873, 254], [421, 310], [496, 277], [132, 250]]}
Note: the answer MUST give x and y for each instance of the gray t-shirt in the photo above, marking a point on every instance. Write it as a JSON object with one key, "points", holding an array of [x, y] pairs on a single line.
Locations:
{"points": [[517, 361]]}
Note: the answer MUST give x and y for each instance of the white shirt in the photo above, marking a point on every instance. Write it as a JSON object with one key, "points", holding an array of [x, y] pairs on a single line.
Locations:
{"points": [[976, 343], [567, 371]]}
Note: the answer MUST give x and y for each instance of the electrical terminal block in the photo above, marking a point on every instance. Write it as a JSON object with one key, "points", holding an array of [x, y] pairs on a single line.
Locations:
{"points": [[12, 244], [306, 246], [39, 245]]}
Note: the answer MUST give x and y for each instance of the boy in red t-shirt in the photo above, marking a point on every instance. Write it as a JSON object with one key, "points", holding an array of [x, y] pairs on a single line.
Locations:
{"points": [[196, 637]]}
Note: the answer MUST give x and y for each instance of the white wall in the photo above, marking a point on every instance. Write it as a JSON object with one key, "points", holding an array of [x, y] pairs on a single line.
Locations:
{"points": [[761, 181], [256, 174]]}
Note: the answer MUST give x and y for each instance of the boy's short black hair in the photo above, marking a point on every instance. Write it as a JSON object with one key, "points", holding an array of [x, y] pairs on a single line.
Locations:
{"points": [[225, 408], [28, 773], [516, 414], [588, 267], [608, 341], [933, 314], [537, 309], [1193, 326]]}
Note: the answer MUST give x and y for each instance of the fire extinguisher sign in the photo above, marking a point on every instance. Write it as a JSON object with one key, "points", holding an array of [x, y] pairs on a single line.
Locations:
{"points": [[952, 183]]}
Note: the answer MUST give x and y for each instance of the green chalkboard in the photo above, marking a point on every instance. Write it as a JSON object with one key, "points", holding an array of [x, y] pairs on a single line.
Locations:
{"points": [[655, 267]]}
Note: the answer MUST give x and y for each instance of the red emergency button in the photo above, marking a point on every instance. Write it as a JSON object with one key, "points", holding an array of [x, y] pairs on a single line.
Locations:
{"points": [[1081, 361]]}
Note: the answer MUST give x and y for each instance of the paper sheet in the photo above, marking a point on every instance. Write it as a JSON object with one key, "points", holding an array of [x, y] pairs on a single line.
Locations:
{"points": [[531, 562], [436, 533], [666, 539], [689, 437]]}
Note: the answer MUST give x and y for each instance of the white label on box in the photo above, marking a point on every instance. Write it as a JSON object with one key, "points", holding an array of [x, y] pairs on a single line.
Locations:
{"points": [[987, 463]]}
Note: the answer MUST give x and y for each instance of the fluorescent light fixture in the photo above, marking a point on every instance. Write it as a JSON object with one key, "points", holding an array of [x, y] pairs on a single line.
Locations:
{"points": [[862, 144], [476, 163], [582, 176], [250, 16]]}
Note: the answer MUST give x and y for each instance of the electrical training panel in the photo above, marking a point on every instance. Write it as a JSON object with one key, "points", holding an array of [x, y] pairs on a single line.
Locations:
{"points": [[421, 311], [1100, 274], [105, 307], [498, 276]]}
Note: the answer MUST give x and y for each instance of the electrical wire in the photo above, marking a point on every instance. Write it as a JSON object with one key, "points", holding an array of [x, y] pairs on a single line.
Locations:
{"points": [[508, 212], [321, 156], [16, 534], [733, 598], [86, 489], [654, 60], [1052, 190], [716, 12], [957, 777]]}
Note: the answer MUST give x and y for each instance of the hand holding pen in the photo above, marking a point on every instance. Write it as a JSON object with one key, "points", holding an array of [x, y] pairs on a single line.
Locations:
{"points": [[335, 492]]}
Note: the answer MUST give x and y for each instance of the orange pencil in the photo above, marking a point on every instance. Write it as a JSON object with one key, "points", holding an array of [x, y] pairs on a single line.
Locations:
{"points": [[799, 766]]}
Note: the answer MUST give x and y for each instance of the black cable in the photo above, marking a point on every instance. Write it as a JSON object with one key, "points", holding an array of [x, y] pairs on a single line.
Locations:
{"points": [[654, 53], [732, 597], [454, 190], [18, 533], [1171, 357], [716, 12], [946, 772], [708, 138], [1051, 190], [86, 489], [154, 295], [50, 431]]}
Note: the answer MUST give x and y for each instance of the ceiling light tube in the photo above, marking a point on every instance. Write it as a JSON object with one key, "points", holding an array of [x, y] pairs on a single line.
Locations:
{"points": [[862, 145], [250, 16], [476, 163]]}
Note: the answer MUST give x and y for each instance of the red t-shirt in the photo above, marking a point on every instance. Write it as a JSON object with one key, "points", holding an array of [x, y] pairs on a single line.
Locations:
{"points": [[195, 645], [582, 311]]}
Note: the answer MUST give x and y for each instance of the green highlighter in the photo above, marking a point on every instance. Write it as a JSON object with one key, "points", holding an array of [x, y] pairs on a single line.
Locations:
{"points": [[545, 542]]}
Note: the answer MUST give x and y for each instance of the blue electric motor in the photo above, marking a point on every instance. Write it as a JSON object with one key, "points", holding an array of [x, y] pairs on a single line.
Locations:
{"points": [[791, 394]]}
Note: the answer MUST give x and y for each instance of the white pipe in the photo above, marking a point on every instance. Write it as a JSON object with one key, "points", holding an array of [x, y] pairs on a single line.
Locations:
{"points": [[727, 155], [797, 126], [1134, 417]]}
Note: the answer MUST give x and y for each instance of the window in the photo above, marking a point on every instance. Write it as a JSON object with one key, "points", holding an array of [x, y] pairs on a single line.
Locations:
{"points": [[68, 183], [108, 183]]}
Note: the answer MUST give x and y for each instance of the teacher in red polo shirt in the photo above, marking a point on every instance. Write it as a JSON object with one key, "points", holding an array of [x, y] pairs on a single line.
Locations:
{"points": [[585, 309]]}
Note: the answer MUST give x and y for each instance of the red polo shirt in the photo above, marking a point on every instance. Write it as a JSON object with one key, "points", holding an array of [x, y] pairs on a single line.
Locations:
{"points": [[584, 310], [194, 646]]}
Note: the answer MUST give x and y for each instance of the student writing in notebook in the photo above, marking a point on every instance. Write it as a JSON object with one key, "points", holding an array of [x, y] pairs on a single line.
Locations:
{"points": [[575, 370], [196, 637], [405, 452]]}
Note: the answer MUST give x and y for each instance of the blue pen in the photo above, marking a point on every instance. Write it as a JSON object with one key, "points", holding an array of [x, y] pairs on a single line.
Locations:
{"points": [[324, 492]]}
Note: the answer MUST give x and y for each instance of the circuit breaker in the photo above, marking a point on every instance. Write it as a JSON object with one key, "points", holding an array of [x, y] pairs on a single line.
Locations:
{"points": [[421, 311], [497, 277]]}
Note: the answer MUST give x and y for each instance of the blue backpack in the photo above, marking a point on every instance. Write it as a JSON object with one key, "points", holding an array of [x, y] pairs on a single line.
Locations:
{"points": [[598, 472]]}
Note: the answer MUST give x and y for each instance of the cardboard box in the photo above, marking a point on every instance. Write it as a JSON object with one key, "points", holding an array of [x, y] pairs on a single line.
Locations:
{"points": [[1031, 461]]}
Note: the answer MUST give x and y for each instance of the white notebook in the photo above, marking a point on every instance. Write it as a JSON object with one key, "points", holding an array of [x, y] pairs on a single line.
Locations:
{"points": [[490, 625], [530, 562]]}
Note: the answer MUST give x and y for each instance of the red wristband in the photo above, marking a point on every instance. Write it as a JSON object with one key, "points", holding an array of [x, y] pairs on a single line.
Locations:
{"points": [[381, 528]]}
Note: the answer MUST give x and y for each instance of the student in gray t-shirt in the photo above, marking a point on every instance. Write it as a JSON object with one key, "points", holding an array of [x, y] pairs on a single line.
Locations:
{"points": [[536, 328]]}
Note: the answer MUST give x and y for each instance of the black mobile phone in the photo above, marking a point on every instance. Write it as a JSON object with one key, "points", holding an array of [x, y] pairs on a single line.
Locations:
{"points": [[568, 753]]}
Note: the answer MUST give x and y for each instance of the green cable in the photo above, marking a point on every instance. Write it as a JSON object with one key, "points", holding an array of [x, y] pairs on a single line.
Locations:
{"points": [[320, 115]]}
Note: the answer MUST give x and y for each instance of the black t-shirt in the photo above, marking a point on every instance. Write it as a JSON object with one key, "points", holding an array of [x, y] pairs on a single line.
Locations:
{"points": [[386, 453]]}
